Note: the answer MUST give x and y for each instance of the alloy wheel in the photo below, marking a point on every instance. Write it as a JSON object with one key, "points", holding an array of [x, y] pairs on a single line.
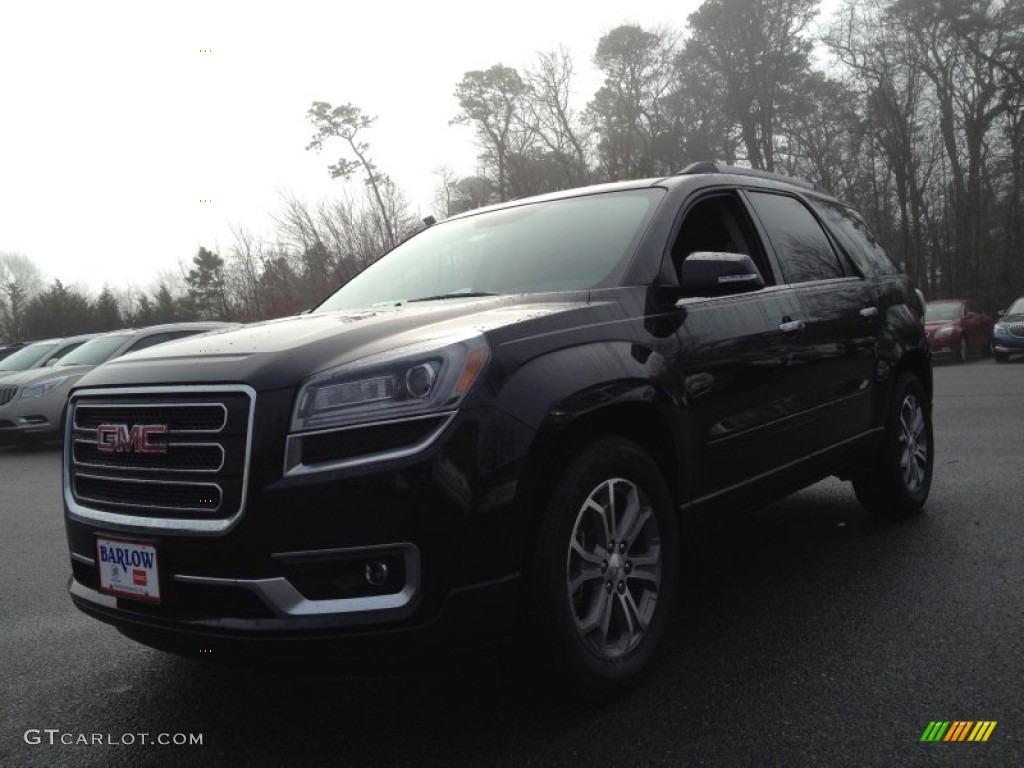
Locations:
{"points": [[913, 443], [614, 568]]}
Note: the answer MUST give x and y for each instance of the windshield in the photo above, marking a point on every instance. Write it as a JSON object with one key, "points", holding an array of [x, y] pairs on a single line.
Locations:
{"points": [[95, 351], [937, 313], [1017, 308], [28, 356], [561, 245]]}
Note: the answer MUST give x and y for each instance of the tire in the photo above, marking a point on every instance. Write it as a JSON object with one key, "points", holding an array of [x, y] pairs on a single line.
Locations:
{"points": [[960, 355], [896, 482], [601, 607], [1001, 357]]}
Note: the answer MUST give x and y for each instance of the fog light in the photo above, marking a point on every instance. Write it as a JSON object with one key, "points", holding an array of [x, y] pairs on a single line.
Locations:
{"points": [[376, 573]]}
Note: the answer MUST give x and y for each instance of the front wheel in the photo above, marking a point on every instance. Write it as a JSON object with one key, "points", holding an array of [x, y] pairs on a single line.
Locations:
{"points": [[960, 355], [604, 570], [895, 483]]}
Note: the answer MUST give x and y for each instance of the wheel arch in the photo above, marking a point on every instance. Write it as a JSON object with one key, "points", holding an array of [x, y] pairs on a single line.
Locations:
{"points": [[642, 422], [918, 363]]}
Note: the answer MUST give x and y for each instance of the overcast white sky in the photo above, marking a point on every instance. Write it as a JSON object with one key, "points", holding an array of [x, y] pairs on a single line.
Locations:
{"points": [[114, 125]]}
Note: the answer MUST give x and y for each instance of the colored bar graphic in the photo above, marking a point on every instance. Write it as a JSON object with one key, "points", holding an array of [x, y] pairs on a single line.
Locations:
{"points": [[935, 730], [958, 730]]}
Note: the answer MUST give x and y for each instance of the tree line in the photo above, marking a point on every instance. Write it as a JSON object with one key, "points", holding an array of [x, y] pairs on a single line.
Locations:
{"points": [[910, 110]]}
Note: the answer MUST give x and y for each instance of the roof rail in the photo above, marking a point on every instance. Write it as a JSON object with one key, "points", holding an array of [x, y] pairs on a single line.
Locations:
{"points": [[707, 166]]}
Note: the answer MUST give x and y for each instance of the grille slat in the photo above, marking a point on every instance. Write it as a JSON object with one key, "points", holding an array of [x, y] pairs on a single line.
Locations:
{"points": [[180, 457], [200, 499], [179, 418], [192, 467], [7, 393]]}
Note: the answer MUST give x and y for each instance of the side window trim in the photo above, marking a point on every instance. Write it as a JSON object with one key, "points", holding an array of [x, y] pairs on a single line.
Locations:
{"points": [[764, 256], [837, 254]]}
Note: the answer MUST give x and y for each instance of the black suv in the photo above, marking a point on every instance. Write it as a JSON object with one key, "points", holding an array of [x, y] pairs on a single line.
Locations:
{"points": [[503, 422]]}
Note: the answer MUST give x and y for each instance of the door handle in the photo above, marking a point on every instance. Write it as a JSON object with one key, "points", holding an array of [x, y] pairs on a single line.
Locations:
{"points": [[869, 312], [791, 326]]}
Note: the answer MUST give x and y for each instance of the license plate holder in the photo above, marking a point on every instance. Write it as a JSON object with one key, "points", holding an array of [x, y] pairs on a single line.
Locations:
{"points": [[128, 568]]}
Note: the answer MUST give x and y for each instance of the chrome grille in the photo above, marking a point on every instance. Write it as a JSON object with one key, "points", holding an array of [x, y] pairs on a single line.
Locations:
{"points": [[1016, 329], [190, 471], [7, 393]]}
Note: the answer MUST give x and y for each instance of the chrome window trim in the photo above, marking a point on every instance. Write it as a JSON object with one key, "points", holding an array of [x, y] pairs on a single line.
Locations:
{"points": [[293, 466], [81, 513]]}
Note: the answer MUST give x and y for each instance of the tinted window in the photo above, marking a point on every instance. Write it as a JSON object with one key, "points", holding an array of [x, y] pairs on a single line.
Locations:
{"points": [[718, 224], [95, 351], [857, 238], [937, 312], [55, 358], [802, 246], [148, 341], [569, 244], [26, 357]]}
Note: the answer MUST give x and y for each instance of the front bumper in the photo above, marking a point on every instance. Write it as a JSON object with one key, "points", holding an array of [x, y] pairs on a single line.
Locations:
{"points": [[944, 346], [470, 615], [1008, 345], [290, 571], [32, 418]]}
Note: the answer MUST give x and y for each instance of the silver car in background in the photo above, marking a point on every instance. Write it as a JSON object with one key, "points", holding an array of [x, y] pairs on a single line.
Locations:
{"points": [[41, 354], [32, 402]]}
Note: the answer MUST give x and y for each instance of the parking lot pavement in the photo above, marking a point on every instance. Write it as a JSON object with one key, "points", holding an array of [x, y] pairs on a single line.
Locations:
{"points": [[808, 634]]}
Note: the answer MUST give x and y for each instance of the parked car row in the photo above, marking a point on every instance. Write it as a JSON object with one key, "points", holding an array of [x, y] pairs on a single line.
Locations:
{"points": [[958, 329], [35, 380], [1008, 333]]}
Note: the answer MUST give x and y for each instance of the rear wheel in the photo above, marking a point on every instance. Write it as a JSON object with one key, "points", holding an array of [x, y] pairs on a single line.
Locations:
{"points": [[896, 482], [604, 570]]}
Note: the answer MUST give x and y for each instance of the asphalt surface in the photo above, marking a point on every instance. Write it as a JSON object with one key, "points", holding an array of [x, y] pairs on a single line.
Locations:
{"points": [[809, 635]]}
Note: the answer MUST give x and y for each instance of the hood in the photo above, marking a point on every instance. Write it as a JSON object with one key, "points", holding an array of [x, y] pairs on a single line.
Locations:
{"points": [[36, 375], [281, 353]]}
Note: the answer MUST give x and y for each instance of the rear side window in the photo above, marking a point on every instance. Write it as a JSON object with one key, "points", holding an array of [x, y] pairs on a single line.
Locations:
{"points": [[148, 341], [804, 250], [857, 238]]}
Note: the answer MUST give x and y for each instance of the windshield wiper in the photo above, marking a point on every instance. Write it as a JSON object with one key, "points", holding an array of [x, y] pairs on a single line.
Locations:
{"points": [[466, 295]]}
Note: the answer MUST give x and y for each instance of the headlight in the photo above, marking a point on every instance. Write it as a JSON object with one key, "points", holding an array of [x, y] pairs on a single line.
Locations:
{"points": [[407, 381], [43, 387], [944, 331], [1000, 330]]}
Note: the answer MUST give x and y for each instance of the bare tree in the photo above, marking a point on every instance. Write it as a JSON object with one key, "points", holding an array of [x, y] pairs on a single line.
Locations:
{"points": [[345, 122], [492, 101], [557, 125]]}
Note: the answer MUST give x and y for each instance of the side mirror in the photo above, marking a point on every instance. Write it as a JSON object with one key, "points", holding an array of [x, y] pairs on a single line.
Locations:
{"points": [[1000, 313], [714, 273]]}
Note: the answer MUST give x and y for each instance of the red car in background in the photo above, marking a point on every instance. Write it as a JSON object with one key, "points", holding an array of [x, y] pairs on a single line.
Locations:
{"points": [[957, 329]]}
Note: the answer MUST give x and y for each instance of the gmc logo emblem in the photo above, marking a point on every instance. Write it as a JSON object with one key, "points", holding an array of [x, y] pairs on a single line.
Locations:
{"points": [[118, 438]]}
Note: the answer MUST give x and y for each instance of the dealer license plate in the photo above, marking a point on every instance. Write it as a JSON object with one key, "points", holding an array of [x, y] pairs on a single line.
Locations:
{"points": [[128, 569]]}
